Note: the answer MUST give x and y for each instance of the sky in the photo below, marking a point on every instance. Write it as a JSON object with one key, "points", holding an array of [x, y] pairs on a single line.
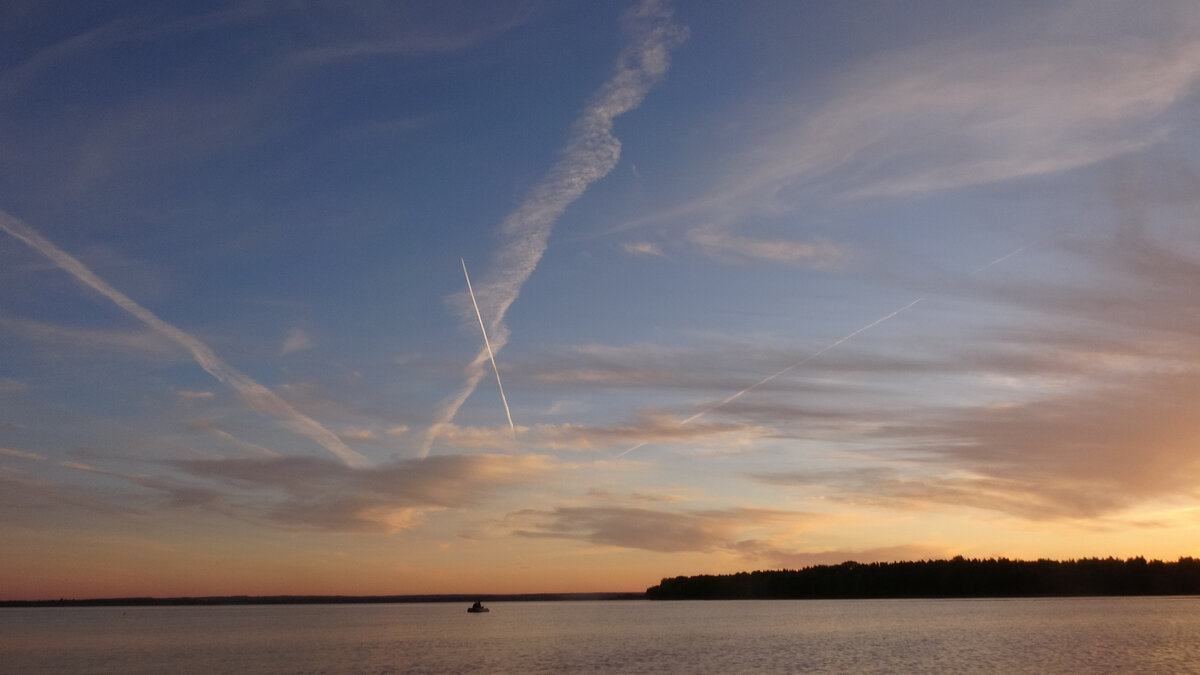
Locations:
{"points": [[766, 284]]}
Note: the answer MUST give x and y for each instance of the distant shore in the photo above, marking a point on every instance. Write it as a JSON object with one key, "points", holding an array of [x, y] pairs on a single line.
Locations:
{"points": [[318, 599], [955, 578]]}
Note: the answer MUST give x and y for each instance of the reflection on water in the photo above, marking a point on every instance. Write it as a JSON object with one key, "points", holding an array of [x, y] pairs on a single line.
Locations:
{"points": [[1054, 635]]}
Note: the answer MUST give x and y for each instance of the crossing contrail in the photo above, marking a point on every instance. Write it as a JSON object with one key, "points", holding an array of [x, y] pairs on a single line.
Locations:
{"points": [[819, 352], [256, 395], [590, 153], [783, 371], [487, 343], [999, 260]]}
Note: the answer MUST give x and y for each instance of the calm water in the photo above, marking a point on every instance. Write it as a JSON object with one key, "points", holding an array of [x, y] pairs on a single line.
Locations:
{"points": [[1076, 635]]}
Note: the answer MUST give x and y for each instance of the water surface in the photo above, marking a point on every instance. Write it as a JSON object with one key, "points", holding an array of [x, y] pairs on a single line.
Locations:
{"points": [[1053, 635]]}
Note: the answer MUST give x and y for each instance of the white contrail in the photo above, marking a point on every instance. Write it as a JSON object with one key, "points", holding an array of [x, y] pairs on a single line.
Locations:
{"points": [[590, 154], [801, 362], [819, 352], [999, 260], [790, 368], [256, 395], [488, 344], [234, 440]]}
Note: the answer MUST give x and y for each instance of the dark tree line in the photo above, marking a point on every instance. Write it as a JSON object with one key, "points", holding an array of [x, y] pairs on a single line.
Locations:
{"points": [[956, 578]]}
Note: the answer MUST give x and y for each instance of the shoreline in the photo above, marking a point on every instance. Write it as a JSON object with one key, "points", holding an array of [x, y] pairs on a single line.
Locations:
{"points": [[219, 600]]}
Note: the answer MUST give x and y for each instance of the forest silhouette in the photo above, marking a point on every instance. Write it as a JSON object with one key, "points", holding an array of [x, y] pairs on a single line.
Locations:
{"points": [[955, 578]]}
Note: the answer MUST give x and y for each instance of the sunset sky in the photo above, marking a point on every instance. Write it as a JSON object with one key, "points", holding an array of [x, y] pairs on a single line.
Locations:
{"points": [[768, 283]]}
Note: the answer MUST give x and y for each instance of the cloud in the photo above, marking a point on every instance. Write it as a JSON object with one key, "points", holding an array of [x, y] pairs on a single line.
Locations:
{"points": [[353, 31], [13, 79], [650, 428], [296, 340], [34, 502], [1059, 88], [170, 125], [176, 494], [208, 104], [967, 113], [65, 337], [9, 385], [313, 493], [642, 248], [637, 366], [399, 430], [354, 434], [1077, 432], [1122, 428], [840, 478], [591, 152], [733, 248], [657, 530], [718, 376], [80, 466], [1070, 402], [9, 452], [194, 395], [1082, 454], [209, 427], [606, 496], [256, 395]]}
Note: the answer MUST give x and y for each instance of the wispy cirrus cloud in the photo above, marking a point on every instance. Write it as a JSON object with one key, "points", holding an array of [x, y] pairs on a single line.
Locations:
{"points": [[734, 248], [40, 502], [253, 449], [1081, 454], [21, 454], [636, 497], [1074, 406], [146, 343], [194, 114], [1086, 415], [643, 248], [254, 394], [1019, 104], [352, 30], [357, 434], [296, 340], [660, 530], [80, 466], [648, 428], [1058, 88], [9, 385], [591, 152], [290, 493], [34, 65], [639, 365], [315, 493]]}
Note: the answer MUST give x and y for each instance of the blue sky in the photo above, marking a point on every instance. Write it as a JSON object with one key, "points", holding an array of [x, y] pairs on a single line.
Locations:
{"points": [[767, 284]]}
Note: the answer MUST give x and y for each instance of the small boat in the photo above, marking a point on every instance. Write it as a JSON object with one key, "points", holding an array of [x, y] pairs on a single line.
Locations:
{"points": [[477, 608]]}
